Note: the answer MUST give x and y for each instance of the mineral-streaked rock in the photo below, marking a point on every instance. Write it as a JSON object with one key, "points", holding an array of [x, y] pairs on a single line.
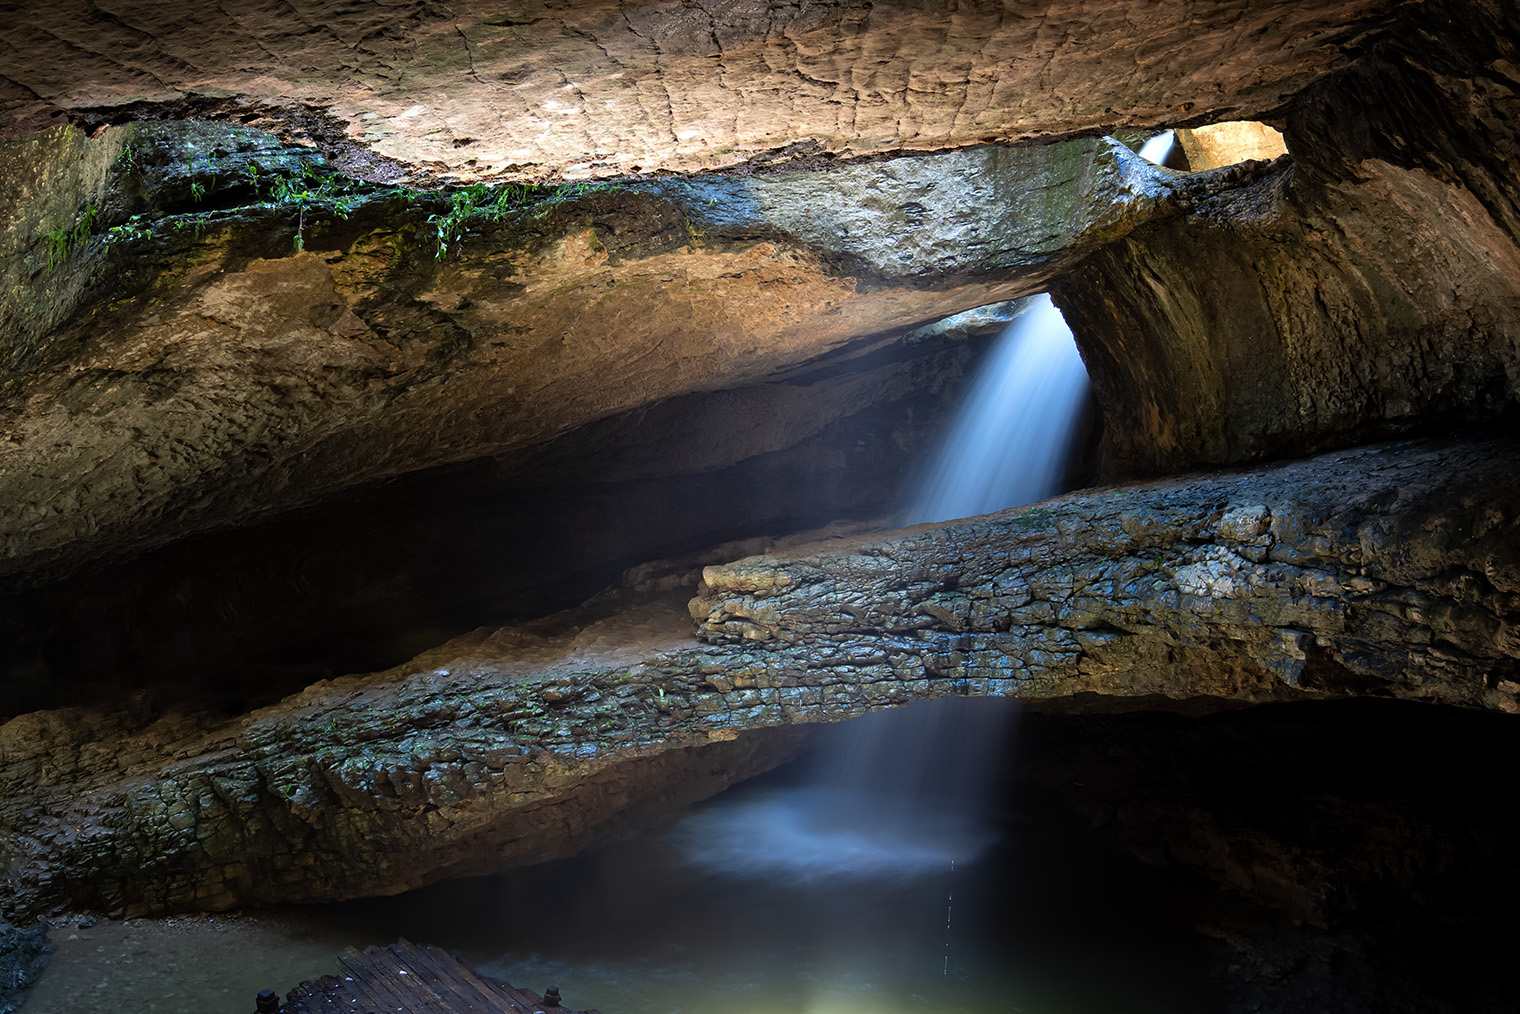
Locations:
{"points": [[1386, 571]]}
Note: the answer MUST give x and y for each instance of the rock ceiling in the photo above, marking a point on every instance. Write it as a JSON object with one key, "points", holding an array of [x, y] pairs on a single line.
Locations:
{"points": [[472, 89], [203, 373], [183, 352]]}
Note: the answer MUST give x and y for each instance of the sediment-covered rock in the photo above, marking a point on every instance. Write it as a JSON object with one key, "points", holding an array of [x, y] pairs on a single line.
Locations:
{"points": [[1388, 571]]}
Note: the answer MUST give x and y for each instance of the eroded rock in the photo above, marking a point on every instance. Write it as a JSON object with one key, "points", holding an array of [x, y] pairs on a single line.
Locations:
{"points": [[1389, 571], [534, 91], [199, 368], [1367, 287]]}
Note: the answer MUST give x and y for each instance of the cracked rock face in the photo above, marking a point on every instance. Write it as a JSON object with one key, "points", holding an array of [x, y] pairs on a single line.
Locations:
{"points": [[533, 90], [1389, 571]]}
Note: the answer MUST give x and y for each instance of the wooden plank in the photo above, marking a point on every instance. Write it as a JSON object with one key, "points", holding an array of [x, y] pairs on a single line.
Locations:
{"points": [[504, 1000], [409, 996], [406, 978], [367, 986], [416, 983], [432, 967], [447, 969]]}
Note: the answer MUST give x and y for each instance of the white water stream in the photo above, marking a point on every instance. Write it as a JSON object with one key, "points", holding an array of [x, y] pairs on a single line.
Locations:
{"points": [[830, 891], [904, 794], [1012, 437], [1159, 147]]}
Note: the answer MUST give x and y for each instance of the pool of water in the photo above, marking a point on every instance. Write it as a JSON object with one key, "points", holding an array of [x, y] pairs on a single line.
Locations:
{"points": [[1044, 921]]}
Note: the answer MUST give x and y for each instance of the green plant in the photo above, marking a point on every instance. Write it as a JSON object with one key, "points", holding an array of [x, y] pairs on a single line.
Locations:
{"points": [[58, 246], [303, 190], [65, 239], [129, 230], [126, 159], [197, 190], [449, 226], [483, 202]]}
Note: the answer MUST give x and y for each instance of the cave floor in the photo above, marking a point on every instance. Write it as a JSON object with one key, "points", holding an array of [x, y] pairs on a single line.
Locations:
{"points": [[1233, 862]]}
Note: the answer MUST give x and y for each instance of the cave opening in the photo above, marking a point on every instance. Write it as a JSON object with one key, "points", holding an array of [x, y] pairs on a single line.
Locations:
{"points": [[1211, 146]]}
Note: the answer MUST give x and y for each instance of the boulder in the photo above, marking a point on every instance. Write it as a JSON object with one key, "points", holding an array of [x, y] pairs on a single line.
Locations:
{"points": [[1388, 571]]}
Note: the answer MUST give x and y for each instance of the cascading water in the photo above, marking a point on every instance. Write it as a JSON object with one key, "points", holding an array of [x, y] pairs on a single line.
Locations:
{"points": [[894, 794], [902, 792], [1012, 438], [1158, 148], [901, 796]]}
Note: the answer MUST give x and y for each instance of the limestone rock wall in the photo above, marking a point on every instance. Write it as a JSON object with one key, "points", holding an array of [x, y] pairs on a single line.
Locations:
{"points": [[534, 90], [202, 371], [1387, 571], [1372, 288], [1282, 318]]}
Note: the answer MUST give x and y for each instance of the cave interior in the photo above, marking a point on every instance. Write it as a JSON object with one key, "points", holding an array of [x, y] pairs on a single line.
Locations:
{"points": [[387, 393]]}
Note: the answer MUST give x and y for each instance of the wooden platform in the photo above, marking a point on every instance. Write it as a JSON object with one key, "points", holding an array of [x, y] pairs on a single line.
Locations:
{"points": [[405, 978]]}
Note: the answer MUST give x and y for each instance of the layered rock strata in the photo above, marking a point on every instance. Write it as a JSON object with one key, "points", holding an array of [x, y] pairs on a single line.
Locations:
{"points": [[206, 364], [1371, 287], [1387, 571], [536, 90]]}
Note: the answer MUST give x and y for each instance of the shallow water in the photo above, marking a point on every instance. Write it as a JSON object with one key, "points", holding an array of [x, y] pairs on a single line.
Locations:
{"points": [[185, 965], [1042, 923]]}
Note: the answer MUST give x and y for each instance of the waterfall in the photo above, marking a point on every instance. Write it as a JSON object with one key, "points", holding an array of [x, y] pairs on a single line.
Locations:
{"points": [[1159, 147], [1012, 437], [894, 794], [906, 792]]}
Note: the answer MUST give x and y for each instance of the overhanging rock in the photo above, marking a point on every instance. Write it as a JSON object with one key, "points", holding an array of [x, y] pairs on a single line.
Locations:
{"points": [[189, 366], [1391, 570], [535, 91]]}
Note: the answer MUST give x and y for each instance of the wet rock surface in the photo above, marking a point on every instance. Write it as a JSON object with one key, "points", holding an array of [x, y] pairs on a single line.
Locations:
{"points": [[1385, 571], [23, 955], [1381, 570]]}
